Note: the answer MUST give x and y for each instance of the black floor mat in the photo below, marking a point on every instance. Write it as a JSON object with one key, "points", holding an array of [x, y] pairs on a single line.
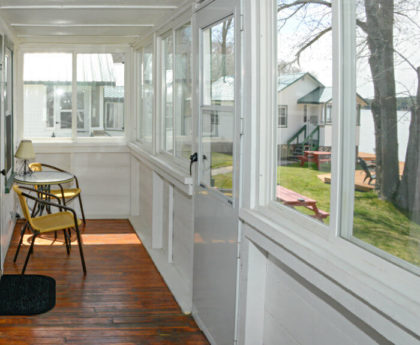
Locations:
{"points": [[26, 294]]}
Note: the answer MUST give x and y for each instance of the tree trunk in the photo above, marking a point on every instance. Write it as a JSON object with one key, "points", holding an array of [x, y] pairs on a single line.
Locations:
{"points": [[379, 27], [408, 196]]}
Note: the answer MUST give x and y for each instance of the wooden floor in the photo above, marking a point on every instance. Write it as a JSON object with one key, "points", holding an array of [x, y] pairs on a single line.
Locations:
{"points": [[122, 300]]}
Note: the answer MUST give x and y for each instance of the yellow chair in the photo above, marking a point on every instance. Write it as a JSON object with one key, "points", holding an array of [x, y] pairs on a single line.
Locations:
{"points": [[69, 193], [63, 220]]}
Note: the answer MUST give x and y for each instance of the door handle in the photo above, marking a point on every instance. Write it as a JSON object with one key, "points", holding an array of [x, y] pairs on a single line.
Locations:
{"points": [[3, 172], [193, 159]]}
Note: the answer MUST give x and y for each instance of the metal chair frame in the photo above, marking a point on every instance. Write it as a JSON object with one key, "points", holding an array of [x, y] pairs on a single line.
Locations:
{"points": [[77, 186], [49, 204]]}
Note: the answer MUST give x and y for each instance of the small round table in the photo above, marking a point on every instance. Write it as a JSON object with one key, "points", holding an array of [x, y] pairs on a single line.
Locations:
{"points": [[44, 180]]}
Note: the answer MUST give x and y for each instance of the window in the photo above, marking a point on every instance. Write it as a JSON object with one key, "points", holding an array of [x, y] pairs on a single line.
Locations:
{"points": [[145, 125], [282, 113], [176, 107], [328, 110], [182, 98], [48, 95], [217, 108], [386, 212], [167, 93], [100, 95], [47, 110], [303, 168]]}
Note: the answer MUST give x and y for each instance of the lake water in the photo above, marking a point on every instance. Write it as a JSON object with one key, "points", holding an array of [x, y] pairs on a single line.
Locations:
{"points": [[367, 132]]}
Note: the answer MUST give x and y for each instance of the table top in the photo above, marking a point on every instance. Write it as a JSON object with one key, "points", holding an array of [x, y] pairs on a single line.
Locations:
{"points": [[291, 197], [327, 153], [44, 178]]}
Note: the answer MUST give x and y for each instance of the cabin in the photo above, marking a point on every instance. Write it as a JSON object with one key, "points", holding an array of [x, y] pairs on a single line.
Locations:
{"points": [[176, 120]]}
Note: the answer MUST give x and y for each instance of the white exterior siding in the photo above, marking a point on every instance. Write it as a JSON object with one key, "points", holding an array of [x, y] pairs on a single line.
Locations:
{"points": [[289, 96]]}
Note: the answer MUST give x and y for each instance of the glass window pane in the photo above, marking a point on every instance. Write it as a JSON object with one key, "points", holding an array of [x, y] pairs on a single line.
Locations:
{"points": [[183, 82], [167, 95], [100, 94], [147, 97], [47, 95], [217, 150], [219, 64], [304, 91], [387, 177]]}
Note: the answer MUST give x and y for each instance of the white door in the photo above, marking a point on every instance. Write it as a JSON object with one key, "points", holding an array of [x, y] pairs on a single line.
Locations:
{"points": [[216, 46]]}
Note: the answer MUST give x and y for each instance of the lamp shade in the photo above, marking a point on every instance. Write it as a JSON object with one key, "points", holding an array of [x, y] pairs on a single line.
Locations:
{"points": [[25, 150]]}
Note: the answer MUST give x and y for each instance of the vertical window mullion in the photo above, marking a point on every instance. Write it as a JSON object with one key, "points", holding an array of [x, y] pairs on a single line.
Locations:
{"points": [[173, 93], [74, 97]]}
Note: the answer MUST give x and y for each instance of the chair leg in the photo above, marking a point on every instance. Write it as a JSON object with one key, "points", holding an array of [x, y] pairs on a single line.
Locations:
{"points": [[79, 241], [29, 253], [69, 237], [66, 241], [22, 232], [81, 209]]}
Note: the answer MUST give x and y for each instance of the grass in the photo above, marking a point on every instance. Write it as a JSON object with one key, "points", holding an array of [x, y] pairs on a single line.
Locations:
{"points": [[376, 221], [221, 160]]}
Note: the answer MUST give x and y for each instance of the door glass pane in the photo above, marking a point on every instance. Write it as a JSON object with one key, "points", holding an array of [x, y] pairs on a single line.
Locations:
{"points": [[183, 82], [304, 98], [219, 64], [100, 82], [47, 95], [167, 96], [217, 150], [146, 112], [387, 175]]}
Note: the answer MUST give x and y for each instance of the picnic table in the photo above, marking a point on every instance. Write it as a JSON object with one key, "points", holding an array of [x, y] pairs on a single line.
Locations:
{"points": [[291, 198], [315, 156]]}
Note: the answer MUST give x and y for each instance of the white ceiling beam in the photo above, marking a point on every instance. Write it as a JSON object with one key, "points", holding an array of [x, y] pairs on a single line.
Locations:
{"points": [[79, 25], [85, 7]]}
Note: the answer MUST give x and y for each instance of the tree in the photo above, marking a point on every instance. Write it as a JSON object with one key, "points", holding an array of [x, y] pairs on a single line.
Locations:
{"points": [[377, 19]]}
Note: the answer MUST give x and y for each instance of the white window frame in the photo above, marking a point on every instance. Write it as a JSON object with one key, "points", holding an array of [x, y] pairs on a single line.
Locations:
{"points": [[139, 96], [162, 34], [390, 289], [74, 50], [281, 107]]}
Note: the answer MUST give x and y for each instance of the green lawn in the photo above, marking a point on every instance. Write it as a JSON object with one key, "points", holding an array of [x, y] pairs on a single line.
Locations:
{"points": [[220, 160], [376, 221]]}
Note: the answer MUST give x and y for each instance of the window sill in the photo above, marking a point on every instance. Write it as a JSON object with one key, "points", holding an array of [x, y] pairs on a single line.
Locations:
{"points": [[90, 145], [165, 167], [383, 289]]}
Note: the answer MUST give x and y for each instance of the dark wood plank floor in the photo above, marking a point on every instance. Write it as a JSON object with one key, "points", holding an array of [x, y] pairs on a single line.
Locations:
{"points": [[122, 300]]}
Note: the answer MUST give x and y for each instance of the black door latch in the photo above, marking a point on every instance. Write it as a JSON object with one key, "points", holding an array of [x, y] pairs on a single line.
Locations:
{"points": [[193, 159], [3, 172]]}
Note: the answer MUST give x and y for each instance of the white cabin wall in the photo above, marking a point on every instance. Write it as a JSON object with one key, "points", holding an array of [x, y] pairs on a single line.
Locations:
{"points": [[289, 96]]}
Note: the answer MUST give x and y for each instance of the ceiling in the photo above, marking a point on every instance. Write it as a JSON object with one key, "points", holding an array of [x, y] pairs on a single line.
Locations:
{"points": [[85, 21]]}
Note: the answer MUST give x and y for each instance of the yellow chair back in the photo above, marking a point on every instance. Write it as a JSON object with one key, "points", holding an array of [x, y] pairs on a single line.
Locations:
{"points": [[23, 204], [35, 166]]}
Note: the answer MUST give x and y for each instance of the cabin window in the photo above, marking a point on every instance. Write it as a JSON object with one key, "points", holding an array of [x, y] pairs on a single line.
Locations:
{"points": [[146, 108], [328, 111], [282, 116], [304, 77], [49, 90]]}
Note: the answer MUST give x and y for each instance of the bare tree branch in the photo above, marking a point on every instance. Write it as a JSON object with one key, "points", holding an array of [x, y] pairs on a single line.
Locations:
{"points": [[312, 41], [304, 2]]}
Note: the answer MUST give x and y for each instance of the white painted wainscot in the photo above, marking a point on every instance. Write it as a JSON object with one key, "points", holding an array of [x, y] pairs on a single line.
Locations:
{"points": [[162, 215]]}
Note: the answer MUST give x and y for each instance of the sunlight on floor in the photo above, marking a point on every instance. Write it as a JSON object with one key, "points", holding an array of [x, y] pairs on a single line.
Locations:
{"points": [[87, 239]]}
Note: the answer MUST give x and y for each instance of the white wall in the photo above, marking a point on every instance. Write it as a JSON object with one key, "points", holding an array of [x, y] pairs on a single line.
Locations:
{"points": [[103, 173], [162, 215]]}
